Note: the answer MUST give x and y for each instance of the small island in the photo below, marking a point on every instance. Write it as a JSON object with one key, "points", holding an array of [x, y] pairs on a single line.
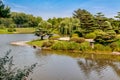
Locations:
{"points": [[63, 39]]}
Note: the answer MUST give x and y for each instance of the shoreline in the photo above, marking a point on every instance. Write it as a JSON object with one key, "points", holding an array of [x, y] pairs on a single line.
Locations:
{"points": [[24, 43], [20, 43]]}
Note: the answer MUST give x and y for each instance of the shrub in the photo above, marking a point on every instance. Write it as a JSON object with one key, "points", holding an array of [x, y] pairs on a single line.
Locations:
{"points": [[11, 29], [60, 45], [111, 32], [77, 39], [99, 47], [73, 46], [99, 32], [90, 36], [105, 39], [9, 72], [2, 26], [85, 46], [114, 46]]}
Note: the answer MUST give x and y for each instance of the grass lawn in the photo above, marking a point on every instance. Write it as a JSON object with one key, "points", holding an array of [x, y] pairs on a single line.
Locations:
{"points": [[25, 30], [4, 31], [18, 31]]}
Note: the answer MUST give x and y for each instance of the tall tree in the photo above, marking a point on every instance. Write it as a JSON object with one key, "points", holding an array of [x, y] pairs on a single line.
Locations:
{"points": [[44, 28], [19, 18], [4, 10], [86, 19], [118, 16], [68, 25]]}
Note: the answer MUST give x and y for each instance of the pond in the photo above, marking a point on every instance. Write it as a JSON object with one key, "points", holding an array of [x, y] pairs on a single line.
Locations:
{"points": [[54, 65]]}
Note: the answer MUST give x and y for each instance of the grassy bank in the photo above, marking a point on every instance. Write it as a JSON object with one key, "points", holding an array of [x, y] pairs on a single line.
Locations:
{"points": [[18, 31], [68, 46]]}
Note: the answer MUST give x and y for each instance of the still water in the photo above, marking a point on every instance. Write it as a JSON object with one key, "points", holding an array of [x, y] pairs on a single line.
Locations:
{"points": [[52, 66]]}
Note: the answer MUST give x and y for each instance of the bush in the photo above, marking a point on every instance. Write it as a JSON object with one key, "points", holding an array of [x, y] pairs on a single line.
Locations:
{"points": [[85, 46], [105, 39], [99, 32], [114, 46], [90, 36], [111, 32], [11, 29], [118, 37], [8, 72], [55, 37], [73, 46], [2, 26], [77, 39], [99, 47], [60, 45]]}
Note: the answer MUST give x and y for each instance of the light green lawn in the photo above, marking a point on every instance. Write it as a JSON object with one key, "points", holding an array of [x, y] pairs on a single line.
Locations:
{"points": [[36, 42], [18, 31]]}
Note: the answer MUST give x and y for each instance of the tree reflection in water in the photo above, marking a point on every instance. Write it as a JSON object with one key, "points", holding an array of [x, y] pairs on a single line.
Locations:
{"points": [[89, 65]]}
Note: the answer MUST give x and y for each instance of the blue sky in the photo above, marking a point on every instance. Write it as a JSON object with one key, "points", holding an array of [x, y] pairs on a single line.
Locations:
{"points": [[63, 8]]}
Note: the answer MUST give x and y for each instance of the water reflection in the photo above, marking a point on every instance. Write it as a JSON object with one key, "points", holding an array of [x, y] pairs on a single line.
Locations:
{"points": [[90, 65]]}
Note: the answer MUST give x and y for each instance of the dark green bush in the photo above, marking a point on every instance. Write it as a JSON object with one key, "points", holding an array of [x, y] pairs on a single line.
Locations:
{"points": [[105, 39], [11, 29]]}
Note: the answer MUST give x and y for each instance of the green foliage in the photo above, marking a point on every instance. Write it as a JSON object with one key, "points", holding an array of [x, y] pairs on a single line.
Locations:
{"points": [[99, 32], [90, 36], [99, 47], [8, 72], [72, 46], [11, 29], [118, 37], [85, 46], [114, 46], [47, 43], [111, 32], [64, 45], [75, 35], [77, 39], [68, 25], [106, 26], [4, 10], [2, 26], [105, 39], [59, 45]]}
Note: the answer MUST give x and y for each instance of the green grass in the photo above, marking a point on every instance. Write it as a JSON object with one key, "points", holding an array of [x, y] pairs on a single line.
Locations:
{"points": [[4, 31], [18, 31], [36, 42], [25, 30]]}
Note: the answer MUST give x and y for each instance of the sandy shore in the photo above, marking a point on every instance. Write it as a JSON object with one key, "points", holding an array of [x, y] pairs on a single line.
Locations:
{"points": [[20, 43], [24, 43]]}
